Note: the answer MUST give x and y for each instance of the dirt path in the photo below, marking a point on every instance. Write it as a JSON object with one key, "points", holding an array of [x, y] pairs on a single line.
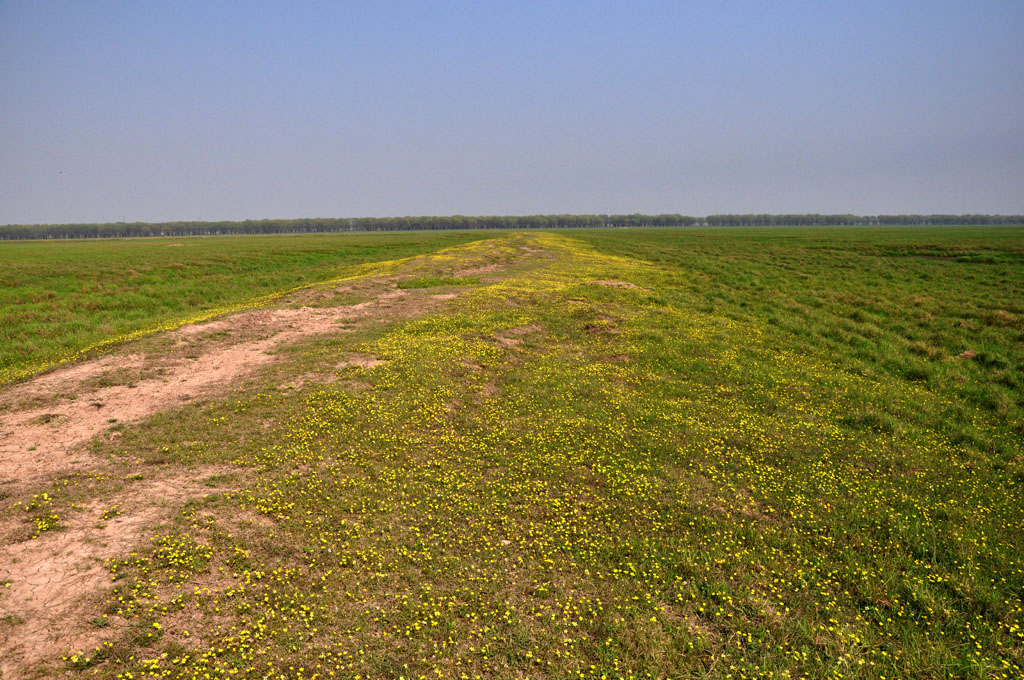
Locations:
{"points": [[50, 584], [38, 443], [46, 604]]}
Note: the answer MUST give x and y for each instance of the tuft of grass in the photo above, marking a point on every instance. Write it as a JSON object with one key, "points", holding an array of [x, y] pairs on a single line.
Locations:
{"points": [[113, 511], [438, 281]]}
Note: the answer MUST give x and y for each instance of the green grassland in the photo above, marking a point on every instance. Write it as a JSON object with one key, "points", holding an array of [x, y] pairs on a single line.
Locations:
{"points": [[731, 453], [62, 298]]}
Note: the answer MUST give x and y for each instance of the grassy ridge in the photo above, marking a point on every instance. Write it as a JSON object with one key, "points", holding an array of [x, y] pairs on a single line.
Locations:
{"points": [[59, 298], [679, 461]]}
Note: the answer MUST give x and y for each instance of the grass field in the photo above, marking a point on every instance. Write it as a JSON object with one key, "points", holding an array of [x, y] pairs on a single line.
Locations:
{"points": [[729, 453], [64, 297]]}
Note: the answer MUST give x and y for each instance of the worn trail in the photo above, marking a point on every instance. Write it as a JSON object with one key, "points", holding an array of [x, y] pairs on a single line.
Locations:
{"points": [[40, 442], [51, 583]]}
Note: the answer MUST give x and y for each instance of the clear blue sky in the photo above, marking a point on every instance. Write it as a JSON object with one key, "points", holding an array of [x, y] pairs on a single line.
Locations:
{"points": [[231, 110]]}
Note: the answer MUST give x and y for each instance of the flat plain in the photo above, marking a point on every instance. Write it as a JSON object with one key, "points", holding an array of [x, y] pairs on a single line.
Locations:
{"points": [[671, 453]]}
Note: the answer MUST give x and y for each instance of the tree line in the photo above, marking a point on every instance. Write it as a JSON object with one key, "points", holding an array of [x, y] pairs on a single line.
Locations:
{"points": [[858, 220], [367, 224]]}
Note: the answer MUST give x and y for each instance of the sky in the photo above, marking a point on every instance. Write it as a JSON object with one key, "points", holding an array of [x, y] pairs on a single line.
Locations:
{"points": [[163, 111]]}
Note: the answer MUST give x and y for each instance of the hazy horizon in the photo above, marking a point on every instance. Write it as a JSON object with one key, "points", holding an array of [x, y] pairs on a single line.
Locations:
{"points": [[165, 112]]}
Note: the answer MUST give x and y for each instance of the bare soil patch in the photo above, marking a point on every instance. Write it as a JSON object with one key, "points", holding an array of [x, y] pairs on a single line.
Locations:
{"points": [[361, 360], [516, 332], [54, 578], [483, 269], [523, 330], [602, 326], [45, 388], [617, 284]]}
